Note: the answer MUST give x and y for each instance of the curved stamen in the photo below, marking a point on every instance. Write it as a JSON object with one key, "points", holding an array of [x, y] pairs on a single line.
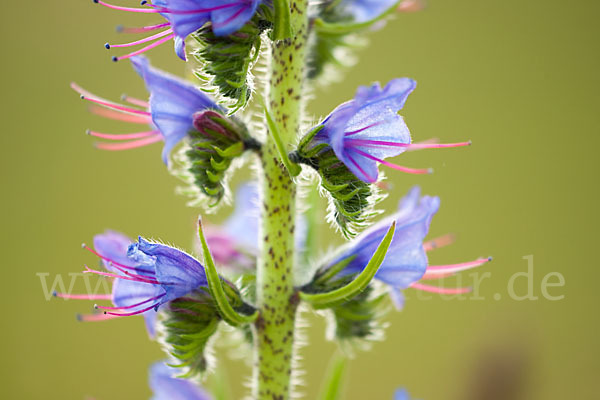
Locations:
{"points": [[165, 10], [144, 40], [82, 296], [391, 165], [454, 268], [116, 264], [121, 116], [130, 145], [142, 50], [440, 290], [115, 106], [128, 277], [412, 146], [123, 136], [94, 317], [439, 242], [131, 9], [122, 29], [135, 101], [133, 305], [350, 133], [353, 161], [134, 312]]}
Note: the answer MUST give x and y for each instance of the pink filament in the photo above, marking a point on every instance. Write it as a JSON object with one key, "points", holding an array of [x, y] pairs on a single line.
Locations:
{"points": [[142, 50], [165, 10], [370, 178], [454, 268], [116, 106], [124, 136], [94, 317], [130, 145], [83, 296], [391, 165], [133, 305], [136, 102], [120, 116], [440, 290], [414, 146], [144, 40], [132, 313], [140, 10], [439, 242], [143, 28], [128, 277]]}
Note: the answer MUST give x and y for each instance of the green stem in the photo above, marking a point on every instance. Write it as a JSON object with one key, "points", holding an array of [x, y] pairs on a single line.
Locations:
{"points": [[277, 299]]}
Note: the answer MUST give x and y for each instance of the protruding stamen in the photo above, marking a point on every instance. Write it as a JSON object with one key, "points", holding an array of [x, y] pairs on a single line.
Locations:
{"points": [[350, 133], [440, 290], [454, 268], [121, 116], [120, 267], [131, 306], [124, 136], [115, 106], [357, 165], [412, 146], [409, 6], [140, 51], [82, 296], [140, 10], [94, 317], [439, 242], [128, 277], [135, 101], [129, 145], [134, 312], [144, 40], [391, 165], [122, 29]]}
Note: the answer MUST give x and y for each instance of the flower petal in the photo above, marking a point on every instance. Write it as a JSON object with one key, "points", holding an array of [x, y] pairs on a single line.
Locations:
{"points": [[226, 21], [166, 387]]}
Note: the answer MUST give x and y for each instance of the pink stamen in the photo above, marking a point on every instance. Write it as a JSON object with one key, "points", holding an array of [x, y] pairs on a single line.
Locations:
{"points": [[394, 166], [129, 145], [435, 276], [412, 146], [115, 106], [440, 290], [439, 242], [144, 40], [132, 313], [120, 116], [133, 305], [165, 10], [113, 263], [350, 133], [428, 141], [128, 277], [136, 102], [94, 317], [142, 50], [353, 161], [143, 28], [125, 136], [83, 296], [140, 10], [454, 268]]}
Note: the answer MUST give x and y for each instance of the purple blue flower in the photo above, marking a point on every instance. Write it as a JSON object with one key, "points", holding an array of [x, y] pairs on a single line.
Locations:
{"points": [[145, 276], [169, 112], [166, 387], [365, 10], [406, 260], [364, 131], [185, 17], [401, 394]]}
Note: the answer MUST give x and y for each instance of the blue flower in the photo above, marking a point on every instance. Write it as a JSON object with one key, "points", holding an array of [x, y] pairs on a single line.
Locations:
{"points": [[146, 276], [166, 387], [170, 111], [364, 131], [401, 394], [406, 260], [185, 17], [365, 10]]}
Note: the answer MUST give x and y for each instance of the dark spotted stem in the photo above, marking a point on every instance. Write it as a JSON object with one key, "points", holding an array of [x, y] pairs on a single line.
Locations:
{"points": [[277, 300]]}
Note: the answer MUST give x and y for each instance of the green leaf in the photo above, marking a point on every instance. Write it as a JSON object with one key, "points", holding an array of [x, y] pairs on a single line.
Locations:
{"points": [[332, 386], [231, 316], [347, 292]]}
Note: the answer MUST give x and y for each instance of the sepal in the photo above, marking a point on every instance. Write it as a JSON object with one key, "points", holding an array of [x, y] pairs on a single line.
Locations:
{"points": [[212, 146]]}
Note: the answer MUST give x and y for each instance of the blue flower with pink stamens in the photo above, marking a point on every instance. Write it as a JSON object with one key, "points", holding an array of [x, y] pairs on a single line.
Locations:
{"points": [[166, 386], [185, 17], [146, 276], [364, 131], [170, 110], [406, 261]]}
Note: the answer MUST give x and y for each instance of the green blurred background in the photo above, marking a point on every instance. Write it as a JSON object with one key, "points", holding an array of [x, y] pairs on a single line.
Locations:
{"points": [[519, 78]]}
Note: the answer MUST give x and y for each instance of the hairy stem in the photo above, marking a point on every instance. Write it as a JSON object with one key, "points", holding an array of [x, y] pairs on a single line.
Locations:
{"points": [[277, 299]]}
